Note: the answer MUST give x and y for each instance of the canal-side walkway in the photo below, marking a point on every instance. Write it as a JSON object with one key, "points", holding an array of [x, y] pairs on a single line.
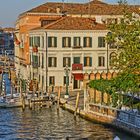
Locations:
{"points": [[124, 120]]}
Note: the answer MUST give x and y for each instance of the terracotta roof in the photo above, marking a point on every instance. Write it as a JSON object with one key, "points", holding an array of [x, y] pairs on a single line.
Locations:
{"points": [[75, 23], [96, 7]]}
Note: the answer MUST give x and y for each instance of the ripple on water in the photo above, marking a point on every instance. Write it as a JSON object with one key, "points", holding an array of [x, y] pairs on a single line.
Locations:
{"points": [[48, 124]]}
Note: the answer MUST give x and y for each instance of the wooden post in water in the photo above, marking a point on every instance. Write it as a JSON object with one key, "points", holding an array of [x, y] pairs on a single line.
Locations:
{"points": [[58, 98], [77, 103], [30, 104], [20, 90], [23, 102], [11, 91]]}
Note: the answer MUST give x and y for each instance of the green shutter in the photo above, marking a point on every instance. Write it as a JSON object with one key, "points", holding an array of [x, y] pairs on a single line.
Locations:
{"points": [[90, 39], [49, 41], [85, 60], [69, 41], [55, 62], [74, 41], [85, 42], [99, 41], [90, 61], [49, 61], [64, 61], [63, 38], [55, 41], [69, 63]]}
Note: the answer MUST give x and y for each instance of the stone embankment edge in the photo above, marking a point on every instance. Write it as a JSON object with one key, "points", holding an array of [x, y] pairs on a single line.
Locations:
{"points": [[105, 120]]}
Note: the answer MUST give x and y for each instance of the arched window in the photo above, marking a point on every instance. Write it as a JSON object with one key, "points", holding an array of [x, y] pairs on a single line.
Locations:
{"points": [[113, 57]]}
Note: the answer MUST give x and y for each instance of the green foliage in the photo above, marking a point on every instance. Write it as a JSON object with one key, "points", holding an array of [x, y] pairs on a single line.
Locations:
{"points": [[125, 36], [102, 85]]}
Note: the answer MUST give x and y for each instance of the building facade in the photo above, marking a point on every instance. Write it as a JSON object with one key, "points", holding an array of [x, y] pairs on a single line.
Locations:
{"points": [[50, 12], [81, 47]]}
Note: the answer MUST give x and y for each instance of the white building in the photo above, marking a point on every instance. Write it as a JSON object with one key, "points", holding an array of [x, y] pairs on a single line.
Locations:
{"points": [[75, 41]]}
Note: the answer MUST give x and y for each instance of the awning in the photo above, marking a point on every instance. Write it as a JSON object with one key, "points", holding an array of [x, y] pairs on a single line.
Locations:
{"points": [[78, 76]]}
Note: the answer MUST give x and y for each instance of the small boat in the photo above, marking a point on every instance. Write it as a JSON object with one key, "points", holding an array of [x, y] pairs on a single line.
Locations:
{"points": [[8, 102]]}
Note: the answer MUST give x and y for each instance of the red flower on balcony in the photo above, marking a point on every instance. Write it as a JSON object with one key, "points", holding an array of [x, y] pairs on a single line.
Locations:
{"points": [[35, 49], [77, 66]]}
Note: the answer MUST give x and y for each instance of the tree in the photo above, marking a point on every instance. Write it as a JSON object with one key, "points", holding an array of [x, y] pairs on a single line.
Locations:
{"points": [[125, 36]]}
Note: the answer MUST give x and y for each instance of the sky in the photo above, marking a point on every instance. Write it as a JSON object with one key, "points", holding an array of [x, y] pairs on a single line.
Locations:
{"points": [[10, 9]]}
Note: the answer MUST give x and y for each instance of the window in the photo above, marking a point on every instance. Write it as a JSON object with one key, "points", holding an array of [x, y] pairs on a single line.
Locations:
{"points": [[113, 57], [51, 80], [42, 81], [87, 42], [35, 61], [52, 62], [66, 42], [66, 61], [77, 42], [76, 60], [88, 61], [34, 41], [65, 80], [37, 41], [101, 61], [52, 42], [31, 41], [101, 42]]}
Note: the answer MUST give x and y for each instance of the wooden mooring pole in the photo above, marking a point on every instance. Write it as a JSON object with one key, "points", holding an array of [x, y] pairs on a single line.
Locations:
{"points": [[23, 102], [77, 103], [58, 98]]}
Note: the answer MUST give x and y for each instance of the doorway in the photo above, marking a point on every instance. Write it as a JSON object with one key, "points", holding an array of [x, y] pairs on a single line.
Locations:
{"points": [[76, 84]]}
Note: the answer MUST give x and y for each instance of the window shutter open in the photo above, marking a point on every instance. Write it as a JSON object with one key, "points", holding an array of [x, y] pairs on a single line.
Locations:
{"points": [[90, 41], [55, 41], [90, 61]]}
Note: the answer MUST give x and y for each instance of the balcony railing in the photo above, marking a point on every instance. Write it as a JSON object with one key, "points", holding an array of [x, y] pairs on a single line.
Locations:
{"points": [[77, 47], [35, 49], [35, 65], [77, 66]]}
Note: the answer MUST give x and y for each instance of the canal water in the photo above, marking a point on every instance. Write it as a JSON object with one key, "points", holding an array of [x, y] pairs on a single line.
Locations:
{"points": [[49, 124]]}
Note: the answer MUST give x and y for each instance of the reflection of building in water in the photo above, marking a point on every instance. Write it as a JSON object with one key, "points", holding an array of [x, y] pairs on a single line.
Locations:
{"points": [[7, 42]]}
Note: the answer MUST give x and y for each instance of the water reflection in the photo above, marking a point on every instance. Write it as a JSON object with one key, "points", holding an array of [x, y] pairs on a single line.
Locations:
{"points": [[47, 124]]}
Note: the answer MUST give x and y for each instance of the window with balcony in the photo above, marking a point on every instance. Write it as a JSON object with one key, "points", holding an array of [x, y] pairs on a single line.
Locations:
{"points": [[66, 42], [35, 61], [51, 80], [65, 80], [66, 61], [87, 61], [87, 42], [76, 60], [101, 42], [77, 42], [52, 41], [101, 61], [37, 41], [52, 62]]}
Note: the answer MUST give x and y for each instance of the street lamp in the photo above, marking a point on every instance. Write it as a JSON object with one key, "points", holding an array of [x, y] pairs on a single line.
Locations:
{"points": [[67, 70]]}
